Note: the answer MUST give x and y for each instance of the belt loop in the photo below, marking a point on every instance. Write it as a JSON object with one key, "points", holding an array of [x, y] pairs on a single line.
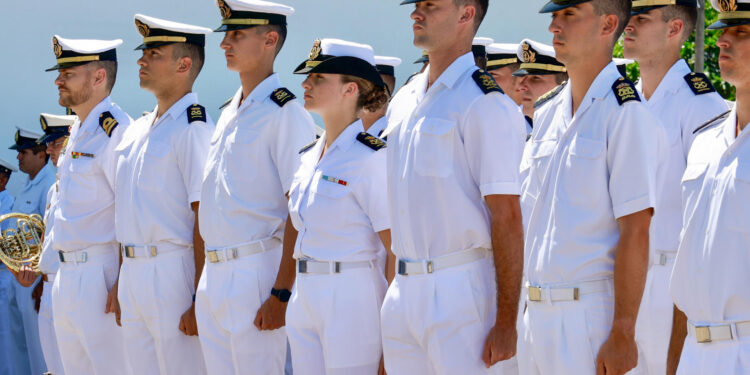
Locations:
{"points": [[235, 253], [331, 267], [547, 294], [733, 330]]}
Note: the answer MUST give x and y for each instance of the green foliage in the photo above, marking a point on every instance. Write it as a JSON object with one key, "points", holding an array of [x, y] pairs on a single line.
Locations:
{"points": [[711, 53]]}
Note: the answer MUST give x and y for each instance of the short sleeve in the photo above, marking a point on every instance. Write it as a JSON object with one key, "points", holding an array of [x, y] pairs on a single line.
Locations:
{"points": [[637, 146], [192, 151], [294, 130], [372, 192], [494, 131]]}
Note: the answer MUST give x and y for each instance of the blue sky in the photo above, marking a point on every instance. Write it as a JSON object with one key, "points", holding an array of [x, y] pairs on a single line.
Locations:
{"points": [[28, 26]]}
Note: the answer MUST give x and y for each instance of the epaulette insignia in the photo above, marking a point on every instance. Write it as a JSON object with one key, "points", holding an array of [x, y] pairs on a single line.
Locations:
{"points": [[485, 82], [107, 122], [625, 91], [196, 112], [370, 141], [282, 96], [309, 145], [226, 103], [709, 123], [549, 95], [699, 83]]}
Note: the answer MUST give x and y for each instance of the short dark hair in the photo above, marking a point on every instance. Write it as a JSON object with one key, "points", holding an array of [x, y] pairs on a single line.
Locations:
{"points": [[561, 77], [620, 8], [196, 53], [41, 148], [279, 29], [481, 10], [688, 15], [110, 67]]}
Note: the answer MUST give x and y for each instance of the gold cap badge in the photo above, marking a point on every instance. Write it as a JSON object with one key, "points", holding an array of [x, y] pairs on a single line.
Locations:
{"points": [[315, 51], [226, 12], [727, 5], [56, 47], [142, 28], [529, 56]]}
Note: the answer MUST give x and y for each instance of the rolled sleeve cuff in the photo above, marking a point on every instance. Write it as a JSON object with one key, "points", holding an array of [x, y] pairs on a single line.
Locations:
{"points": [[381, 225], [500, 188], [633, 206], [194, 197]]}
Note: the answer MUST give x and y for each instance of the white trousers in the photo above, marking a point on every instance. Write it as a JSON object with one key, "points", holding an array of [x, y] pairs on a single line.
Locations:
{"points": [[47, 330], [731, 357], [13, 353], [653, 328], [565, 337], [90, 342], [227, 300], [438, 323], [333, 322], [153, 295]]}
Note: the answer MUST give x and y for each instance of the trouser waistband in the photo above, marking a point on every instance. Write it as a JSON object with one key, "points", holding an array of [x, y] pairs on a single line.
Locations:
{"points": [[330, 267], [705, 333], [408, 267], [568, 292], [150, 250], [224, 254]]}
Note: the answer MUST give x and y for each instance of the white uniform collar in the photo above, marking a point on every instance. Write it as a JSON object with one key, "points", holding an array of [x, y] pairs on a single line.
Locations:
{"points": [[178, 107], [599, 89], [730, 127], [92, 120], [671, 82], [260, 92], [454, 71]]}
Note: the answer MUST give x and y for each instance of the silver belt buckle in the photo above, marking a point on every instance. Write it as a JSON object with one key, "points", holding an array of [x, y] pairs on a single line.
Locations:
{"points": [[153, 251], [662, 259], [129, 251], [430, 266], [703, 334], [535, 294], [302, 266], [402, 268], [212, 256]]}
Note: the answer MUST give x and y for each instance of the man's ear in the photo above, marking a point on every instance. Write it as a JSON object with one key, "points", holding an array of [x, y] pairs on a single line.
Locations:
{"points": [[675, 28], [609, 24], [184, 64], [468, 12]]}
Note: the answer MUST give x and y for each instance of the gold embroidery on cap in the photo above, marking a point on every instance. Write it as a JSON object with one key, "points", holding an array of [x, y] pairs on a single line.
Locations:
{"points": [[727, 5], [142, 28], [315, 51], [226, 12], [528, 54], [56, 47]]}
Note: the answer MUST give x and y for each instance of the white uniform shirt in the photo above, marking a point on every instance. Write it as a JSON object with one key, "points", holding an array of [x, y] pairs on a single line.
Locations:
{"points": [[33, 197], [681, 112], [49, 261], [584, 173], [85, 214], [338, 204], [253, 155], [159, 174], [378, 127], [710, 277], [448, 148]]}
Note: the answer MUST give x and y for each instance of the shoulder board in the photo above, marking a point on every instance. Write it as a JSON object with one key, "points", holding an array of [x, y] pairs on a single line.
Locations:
{"points": [[370, 141], [309, 145], [709, 123], [699, 83], [549, 95], [226, 103], [625, 91], [107, 122], [282, 96], [196, 112], [485, 82]]}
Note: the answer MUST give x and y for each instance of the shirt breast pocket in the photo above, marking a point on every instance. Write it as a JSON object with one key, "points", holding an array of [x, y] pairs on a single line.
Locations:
{"points": [[154, 165], [330, 190], [433, 155], [586, 171], [81, 183]]}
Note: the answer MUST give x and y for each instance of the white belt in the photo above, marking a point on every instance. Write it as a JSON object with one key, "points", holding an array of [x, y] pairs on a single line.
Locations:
{"points": [[705, 333], [329, 267], [420, 267], [218, 255], [567, 293], [661, 257], [82, 256], [151, 250]]}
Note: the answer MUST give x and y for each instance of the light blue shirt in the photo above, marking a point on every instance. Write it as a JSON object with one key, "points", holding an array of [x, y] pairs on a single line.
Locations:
{"points": [[6, 202], [33, 197]]}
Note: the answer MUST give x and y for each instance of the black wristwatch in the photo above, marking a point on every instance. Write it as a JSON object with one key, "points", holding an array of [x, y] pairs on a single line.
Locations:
{"points": [[282, 294]]}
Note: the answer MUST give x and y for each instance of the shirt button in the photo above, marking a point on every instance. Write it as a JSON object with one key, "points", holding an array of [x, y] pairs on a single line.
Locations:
{"points": [[402, 213]]}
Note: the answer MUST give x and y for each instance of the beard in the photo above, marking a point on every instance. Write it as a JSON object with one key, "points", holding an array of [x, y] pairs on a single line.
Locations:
{"points": [[73, 98]]}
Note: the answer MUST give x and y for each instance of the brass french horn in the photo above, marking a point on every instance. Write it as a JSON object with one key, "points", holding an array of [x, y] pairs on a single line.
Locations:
{"points": [[22, 244]]}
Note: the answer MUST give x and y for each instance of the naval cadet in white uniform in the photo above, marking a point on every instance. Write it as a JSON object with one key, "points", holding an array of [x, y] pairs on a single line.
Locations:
{"points": [[454, 146], [243, 290], [375, 122], [32, 199], [502, 61], [160, 163], [593, 161], [338, 204], [709, 283], [683, 101], [85, 291]]}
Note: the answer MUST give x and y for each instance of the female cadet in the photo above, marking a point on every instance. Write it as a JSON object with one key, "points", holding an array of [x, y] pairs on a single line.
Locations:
{"points": [[337, 202]]}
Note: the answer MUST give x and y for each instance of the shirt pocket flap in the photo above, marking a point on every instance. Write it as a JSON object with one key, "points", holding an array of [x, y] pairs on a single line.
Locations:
{"points": [[693, 171], [586, 148], [541, 149], [81, 165], [436, 126]]}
